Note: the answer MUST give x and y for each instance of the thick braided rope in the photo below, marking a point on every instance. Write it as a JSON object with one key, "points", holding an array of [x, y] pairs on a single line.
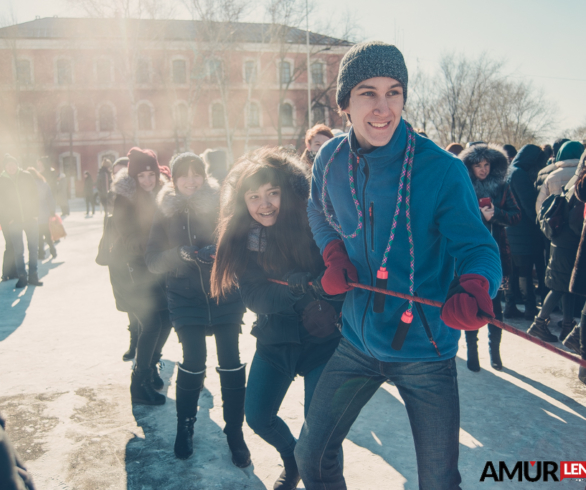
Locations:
{"points": [[330, 217]]}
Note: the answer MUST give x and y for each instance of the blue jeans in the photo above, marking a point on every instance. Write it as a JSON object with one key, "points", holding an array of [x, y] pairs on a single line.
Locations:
{"points": [[349, 380], [31, 230], [265, 391]]}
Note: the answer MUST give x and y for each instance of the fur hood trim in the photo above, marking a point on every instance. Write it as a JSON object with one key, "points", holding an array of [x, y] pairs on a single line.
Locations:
{"points": [[493, 154], [294, 169], [205, 200], [126, 186]]}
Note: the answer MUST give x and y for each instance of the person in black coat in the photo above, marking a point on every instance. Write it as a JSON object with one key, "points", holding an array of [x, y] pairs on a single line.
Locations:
{"points": [[181, 245], [525, 238], [88, 192], [137, 290], [487, 166], [264, 234]]}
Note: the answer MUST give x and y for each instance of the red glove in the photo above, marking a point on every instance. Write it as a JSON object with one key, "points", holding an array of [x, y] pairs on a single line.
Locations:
{"points": [[467, 298], [340, 270]]}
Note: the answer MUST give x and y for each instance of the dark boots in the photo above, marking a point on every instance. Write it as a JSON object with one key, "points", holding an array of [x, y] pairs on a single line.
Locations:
{"points": [[472, 362], [494, 342], [511, 310], [566, 329], [131, 352], [141, 388], [540, 330], [158, 383], [233, 383], [289, 477], [33, 279], [528, 290], [21, 283], [189, 386]]}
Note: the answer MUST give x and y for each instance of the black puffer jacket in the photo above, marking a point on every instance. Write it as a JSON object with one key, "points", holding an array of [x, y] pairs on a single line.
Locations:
{"points": [[183, 221], [19, 198], [526, 237], [506, 209], [136, 289]]}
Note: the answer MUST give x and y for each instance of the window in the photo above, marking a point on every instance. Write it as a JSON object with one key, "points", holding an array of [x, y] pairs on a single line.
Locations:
{"points": [[286, 114], [253, 115], [218, 116], [106, 118], [179, 71], [23, 72], [215, 71], [144, 115], [181, 117], [317, 73], [318, 115], [26, 119], [104, 71], [64, 72], [66, 120], [142, 71], [250, 71], [69, 165], [285, 72]]}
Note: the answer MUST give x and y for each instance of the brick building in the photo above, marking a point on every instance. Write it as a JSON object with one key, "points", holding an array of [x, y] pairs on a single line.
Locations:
{"points": [[81, 89]]}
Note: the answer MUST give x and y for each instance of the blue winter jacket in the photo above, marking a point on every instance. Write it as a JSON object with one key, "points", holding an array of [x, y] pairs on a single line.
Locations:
{"points": [[448, 234]]}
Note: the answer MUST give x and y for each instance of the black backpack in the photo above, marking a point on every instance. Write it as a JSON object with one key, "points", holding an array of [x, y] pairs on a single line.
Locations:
{"points": [[552, 215]]}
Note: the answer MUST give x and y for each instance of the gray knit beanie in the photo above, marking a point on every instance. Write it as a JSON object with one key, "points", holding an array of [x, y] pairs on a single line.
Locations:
{"points": [[369, 60]]}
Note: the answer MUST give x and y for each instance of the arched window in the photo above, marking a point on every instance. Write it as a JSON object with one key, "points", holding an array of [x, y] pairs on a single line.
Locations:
{"points": [[218, 116], [253, 115], [106, 118], [142, 71], [66, 120], [144, 116], [286, 114], [285, 72], [181, 117], [179, 71], [23, 72], [64, 72], [26, 119], [104, 71]]}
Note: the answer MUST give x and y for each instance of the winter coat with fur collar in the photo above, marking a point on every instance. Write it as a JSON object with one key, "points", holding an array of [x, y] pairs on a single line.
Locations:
{"points": [[184, 221], [136, 289]]}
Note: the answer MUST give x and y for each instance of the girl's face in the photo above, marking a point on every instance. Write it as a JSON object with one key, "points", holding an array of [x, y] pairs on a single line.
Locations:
{"points": [[481, 170], [147, 180], [188, 184], [264, 203]]}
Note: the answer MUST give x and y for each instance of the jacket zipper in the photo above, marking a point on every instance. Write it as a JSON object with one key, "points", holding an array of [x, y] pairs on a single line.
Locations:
{"points": [[371, 216], [200, 273], [366, 177]]}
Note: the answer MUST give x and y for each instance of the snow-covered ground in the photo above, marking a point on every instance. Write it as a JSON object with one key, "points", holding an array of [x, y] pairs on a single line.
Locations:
{"points": [[64, 393]]}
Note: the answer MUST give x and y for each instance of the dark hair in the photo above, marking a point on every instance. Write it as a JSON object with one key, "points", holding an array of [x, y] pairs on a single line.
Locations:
{"points": [[288, 241], [558, 144], [548, 150], [180, 165], [318, 129]]}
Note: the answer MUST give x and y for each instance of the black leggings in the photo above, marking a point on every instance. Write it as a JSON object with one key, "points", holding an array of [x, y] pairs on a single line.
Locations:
{"points": [[154, 329], [193, 341], [551, 301]]}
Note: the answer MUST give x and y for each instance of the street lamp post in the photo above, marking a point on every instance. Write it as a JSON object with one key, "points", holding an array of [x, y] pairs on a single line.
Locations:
{"points": [[308, 66]]}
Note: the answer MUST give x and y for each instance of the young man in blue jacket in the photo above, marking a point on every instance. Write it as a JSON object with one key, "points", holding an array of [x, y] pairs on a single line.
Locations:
{"points": [[390, 208]]}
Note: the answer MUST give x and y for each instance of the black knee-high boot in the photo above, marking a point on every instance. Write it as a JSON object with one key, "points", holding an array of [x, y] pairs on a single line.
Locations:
{"points": [[233, 383], [472, 343], [494, 342], [189, 386], [131, 352]]}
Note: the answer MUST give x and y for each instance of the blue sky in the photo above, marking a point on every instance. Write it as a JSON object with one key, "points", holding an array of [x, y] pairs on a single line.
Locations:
{"points": [[542, 41]]}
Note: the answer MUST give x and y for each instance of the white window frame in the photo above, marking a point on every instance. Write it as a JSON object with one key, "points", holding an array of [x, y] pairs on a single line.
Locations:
{"points": [[175, 109], [291, 64], [77, 157], [75, 125], [211, 114], [324, 72], [209, 72], [113, 107], [149, 68], [257, 66], [260, 121], [150, 104], [56, 70]]}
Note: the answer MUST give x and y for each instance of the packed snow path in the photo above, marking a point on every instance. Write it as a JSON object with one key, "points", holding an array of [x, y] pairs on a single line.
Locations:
{"points": [[64, 392]]}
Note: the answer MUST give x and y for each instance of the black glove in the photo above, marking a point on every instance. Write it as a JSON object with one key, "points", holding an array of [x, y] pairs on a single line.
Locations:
{"points": [[206, 255], [298, 283], [188, 254]]}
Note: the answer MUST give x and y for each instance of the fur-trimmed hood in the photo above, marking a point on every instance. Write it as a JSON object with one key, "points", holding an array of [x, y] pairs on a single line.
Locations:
{"points": [[499, 163], [295, 171], [126, 186], [206, 200]]}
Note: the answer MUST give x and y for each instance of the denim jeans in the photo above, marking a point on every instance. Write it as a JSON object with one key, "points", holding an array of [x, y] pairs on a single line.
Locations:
{"points": [[264, 394], [31, 230], [349, 380]]}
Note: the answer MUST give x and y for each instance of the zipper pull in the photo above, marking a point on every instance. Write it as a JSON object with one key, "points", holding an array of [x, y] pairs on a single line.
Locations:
{"points": [[382, 276]]}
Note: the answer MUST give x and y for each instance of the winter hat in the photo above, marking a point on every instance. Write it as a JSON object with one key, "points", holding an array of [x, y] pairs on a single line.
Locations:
{"points": [[570, 150], [369, 60], [8, 158], [180, 162], [455, 148], [121, 161], [142, 161]]}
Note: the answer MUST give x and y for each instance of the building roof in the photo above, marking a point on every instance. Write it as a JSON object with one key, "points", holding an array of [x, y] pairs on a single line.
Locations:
{"points": [[180, 30]]}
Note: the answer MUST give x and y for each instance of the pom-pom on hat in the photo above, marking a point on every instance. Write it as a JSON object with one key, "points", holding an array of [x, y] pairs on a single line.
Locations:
{"points": [[370, 60], [142, 161]]}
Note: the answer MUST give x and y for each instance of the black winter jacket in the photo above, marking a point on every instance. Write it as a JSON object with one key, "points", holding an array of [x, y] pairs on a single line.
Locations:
{"points": [[183, 221], [136, 289], [19, 198], [578, 281], [526, 237]]}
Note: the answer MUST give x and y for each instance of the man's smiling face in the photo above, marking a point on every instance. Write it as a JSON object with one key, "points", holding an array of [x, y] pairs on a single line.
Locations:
{"points": [[375, 107]]}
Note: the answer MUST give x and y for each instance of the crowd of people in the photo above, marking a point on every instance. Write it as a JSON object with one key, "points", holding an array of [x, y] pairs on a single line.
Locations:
{"points": [[190, 246]]}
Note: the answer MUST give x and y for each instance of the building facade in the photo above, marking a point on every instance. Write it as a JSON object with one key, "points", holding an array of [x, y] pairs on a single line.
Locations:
{"points": [[79, 90]]}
